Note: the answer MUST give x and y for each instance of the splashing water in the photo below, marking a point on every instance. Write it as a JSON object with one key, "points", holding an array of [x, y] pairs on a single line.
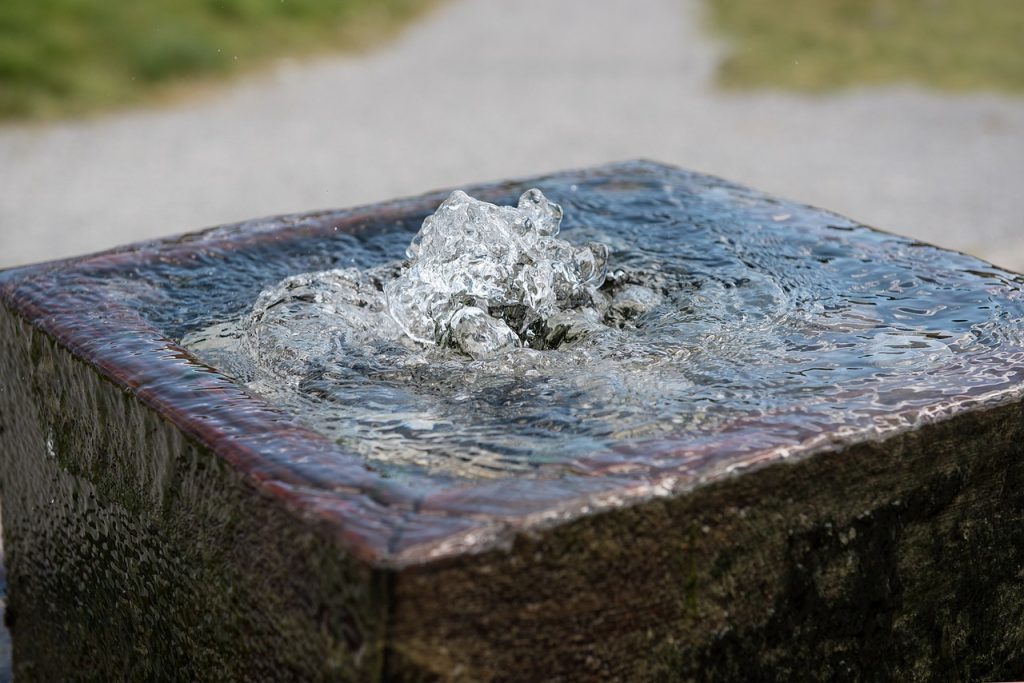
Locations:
{"points": [[486, 279], [481, 280], [492, 284]]}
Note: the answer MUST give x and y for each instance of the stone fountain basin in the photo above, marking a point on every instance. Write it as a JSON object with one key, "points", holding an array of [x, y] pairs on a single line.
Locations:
{"points": [[162, 522]]}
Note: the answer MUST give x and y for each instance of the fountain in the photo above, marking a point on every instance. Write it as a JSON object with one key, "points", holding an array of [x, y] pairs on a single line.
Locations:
{"points": [[629, 422]]}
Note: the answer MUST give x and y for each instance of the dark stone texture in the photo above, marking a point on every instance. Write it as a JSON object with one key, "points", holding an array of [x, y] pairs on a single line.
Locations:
{"points": [[134, 553], [162, 524], [901, 560]]}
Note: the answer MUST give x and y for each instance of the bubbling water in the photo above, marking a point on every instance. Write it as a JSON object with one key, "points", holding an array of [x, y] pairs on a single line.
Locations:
{"points": [[485, 279], [488, 295], [481, 280]]}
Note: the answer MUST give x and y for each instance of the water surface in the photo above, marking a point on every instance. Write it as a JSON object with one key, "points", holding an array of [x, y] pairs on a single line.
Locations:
{"points": [[767, 315]]}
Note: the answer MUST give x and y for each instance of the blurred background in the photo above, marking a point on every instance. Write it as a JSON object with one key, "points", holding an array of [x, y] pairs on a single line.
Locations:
{"points": [[126, 121]]}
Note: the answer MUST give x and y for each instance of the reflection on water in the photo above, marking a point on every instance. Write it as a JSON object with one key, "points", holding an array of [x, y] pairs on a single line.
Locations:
{"points": [[723, 311]]}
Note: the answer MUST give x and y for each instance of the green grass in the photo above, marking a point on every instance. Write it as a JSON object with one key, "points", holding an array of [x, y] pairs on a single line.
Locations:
{"points": [[824, 44], [66, 57]]}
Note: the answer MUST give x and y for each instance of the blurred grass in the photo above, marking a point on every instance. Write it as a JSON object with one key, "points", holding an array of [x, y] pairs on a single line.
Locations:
{"points": [[824, 44], [65, 57]]}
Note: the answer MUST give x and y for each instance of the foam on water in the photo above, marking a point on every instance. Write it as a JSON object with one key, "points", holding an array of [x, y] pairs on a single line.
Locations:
{"points": [[501, 347]]}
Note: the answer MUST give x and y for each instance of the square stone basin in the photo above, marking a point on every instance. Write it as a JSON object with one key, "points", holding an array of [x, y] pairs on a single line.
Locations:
{"points": [[864, 518]]}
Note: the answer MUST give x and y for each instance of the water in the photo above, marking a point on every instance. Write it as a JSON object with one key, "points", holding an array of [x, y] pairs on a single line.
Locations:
{"points": [[487, 279], [662, 312]]}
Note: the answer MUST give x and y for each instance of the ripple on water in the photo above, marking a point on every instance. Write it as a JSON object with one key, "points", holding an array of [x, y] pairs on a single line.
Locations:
{"points": [[719, 306]]}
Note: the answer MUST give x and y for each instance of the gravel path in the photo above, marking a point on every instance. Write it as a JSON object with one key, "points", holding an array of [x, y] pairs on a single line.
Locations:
{"points": [[487, 89]]}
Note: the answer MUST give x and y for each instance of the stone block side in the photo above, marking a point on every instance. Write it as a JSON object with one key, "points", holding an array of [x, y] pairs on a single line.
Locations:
{"points": [[899, 560], [133, 553]]}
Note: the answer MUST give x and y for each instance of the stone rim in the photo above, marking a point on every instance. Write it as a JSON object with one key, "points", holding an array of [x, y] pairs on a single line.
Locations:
{"points": [[383, 523]]}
